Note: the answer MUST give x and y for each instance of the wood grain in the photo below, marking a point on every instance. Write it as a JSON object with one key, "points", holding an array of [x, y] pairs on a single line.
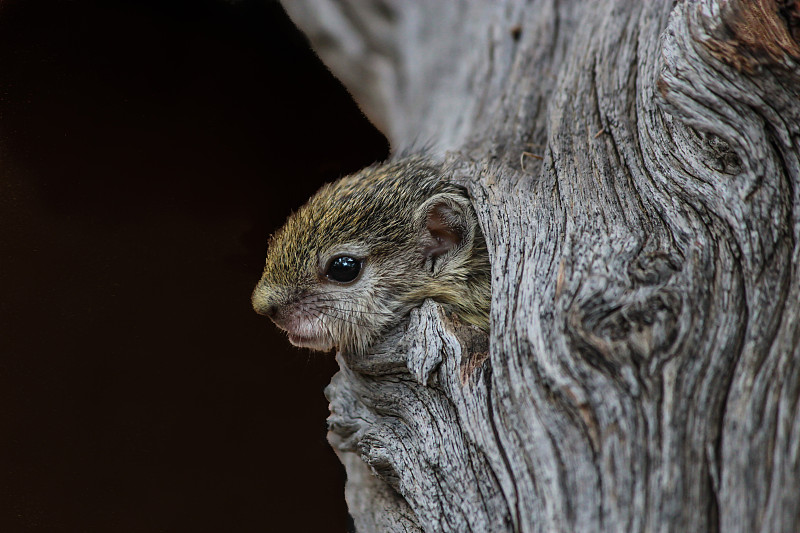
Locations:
{"points": [[643, 367]]}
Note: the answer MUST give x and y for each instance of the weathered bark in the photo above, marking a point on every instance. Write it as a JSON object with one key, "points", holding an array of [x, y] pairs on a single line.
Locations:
{"points": [[635, 169]]}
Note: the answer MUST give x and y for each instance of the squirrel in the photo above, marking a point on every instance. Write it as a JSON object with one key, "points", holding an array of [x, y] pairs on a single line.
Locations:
{"points": [[366, 249]]}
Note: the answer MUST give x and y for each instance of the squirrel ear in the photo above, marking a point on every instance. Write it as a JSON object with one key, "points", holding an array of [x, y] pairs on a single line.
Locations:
{"points": [[445, 226]]}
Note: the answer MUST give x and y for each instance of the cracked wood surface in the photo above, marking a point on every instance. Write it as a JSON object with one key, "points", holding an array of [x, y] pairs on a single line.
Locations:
{"points": [[635, 169]]}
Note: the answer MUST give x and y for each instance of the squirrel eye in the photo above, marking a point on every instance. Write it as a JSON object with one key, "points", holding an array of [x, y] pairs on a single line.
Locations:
{"points": [[343, 269]]}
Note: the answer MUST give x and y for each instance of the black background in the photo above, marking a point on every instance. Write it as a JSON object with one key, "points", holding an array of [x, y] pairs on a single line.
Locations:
{"points": [[147, 150]]}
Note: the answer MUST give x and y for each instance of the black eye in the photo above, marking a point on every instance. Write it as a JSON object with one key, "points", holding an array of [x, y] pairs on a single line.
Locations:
{"points": [[343, 269]]}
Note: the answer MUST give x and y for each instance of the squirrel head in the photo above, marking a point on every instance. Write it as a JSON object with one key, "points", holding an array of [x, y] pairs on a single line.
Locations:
{"points": [[366, 249]]}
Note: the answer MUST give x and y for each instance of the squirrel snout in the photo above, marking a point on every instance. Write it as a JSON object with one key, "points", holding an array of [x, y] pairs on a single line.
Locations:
{"points": [[270, 311], [264, 306]]}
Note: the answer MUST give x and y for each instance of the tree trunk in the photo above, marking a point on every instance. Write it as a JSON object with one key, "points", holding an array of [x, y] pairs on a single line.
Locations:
{"points": [[635, 169]]}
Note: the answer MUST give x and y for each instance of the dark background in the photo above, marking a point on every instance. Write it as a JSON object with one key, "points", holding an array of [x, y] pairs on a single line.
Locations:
{"points": [[147, 150]]}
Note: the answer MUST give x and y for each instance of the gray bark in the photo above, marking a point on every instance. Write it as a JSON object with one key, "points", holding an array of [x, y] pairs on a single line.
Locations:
{"points": [[635, 169]]}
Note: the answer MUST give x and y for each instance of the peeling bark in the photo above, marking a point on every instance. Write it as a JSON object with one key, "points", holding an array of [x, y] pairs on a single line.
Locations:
{"points": [[636, 168]]}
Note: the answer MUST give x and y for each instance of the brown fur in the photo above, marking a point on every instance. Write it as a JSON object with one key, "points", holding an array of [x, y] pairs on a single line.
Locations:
{"points": [[379, 215]]}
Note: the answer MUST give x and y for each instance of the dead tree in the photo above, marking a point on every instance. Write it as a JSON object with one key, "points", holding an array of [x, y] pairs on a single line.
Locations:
{"points": [[635, 169]]}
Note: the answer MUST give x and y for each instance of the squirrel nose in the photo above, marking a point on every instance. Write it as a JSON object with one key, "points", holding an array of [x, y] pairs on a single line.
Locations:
{"points": [[266, 308], [271, 311], [263, 304]]}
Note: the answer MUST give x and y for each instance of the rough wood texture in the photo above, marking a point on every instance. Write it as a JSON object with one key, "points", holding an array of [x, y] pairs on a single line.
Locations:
{"points": [[635, 169]]}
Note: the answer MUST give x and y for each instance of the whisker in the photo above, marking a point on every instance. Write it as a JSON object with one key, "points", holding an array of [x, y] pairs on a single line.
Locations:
{"points": [[336, 314], [348, 316], [355, 312], [346, 320], [360, 311]]}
